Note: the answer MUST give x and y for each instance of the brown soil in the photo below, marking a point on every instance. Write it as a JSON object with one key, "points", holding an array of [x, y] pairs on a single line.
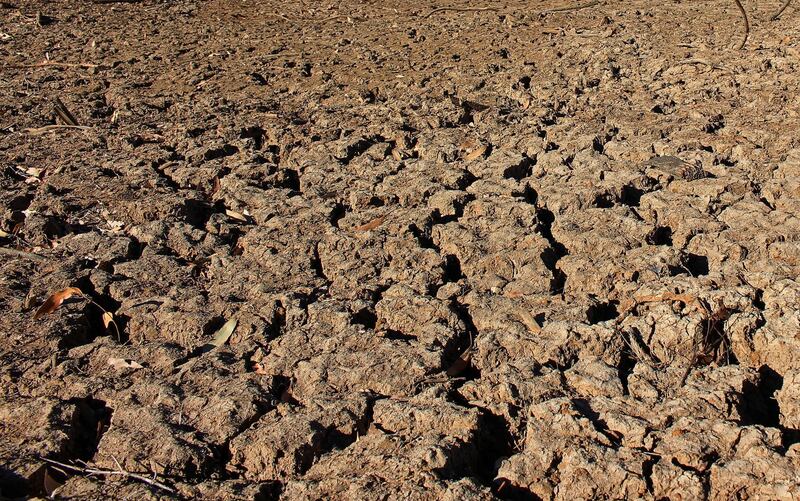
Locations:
{"points": [[474, 254]]}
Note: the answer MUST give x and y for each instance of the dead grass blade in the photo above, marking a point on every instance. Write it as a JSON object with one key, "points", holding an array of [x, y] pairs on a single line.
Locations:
{"points": [[780, 10]]}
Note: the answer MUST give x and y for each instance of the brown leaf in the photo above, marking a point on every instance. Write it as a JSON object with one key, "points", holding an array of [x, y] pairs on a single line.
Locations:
{"points": [[52, 303], [461, 363], [258, 368], [108, 319], [370, 225], [475, 154]]}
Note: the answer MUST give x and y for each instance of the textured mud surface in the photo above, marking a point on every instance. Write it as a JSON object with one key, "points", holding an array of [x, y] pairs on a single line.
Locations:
{"points": [[473, 255]]}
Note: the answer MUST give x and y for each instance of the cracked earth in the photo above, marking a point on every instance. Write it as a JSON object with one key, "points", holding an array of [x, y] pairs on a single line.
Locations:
{"points": [[472, 254]]}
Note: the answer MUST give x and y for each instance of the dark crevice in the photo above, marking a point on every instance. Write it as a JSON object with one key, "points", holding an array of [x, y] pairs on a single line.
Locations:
{"points": [[696, 264], [357, 148], [89, 422], [365, 317], [337, 213], [397, 335], [661, 235], [551, 256], [630, 196], [519, 171], [758, 405], [601, 312]]}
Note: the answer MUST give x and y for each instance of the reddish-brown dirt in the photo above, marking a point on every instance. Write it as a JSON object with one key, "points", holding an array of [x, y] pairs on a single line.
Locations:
{"points": [[471, 254]]}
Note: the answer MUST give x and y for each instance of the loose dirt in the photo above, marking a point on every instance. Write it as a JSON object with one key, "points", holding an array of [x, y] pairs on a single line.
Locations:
{"points": [[481, 252]]}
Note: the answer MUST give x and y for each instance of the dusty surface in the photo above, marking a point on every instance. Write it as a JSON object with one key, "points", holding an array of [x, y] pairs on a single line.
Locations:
{"points": [[598, 210]]}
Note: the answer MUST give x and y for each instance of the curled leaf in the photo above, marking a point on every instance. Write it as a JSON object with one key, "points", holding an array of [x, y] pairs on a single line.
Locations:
{"points": [[108, 319], [52, 303]]}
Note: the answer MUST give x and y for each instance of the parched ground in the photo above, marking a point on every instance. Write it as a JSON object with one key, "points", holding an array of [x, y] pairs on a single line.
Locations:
{"points": [[471, 254]]}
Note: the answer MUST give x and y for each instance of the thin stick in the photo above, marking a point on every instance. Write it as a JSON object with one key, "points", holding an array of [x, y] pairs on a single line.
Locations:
{"points": [[50, 128], [574, 7], [99, 471], [54, 63], [460, 9], [780, 11], [23, 254], [63, 113], [746, 23]]}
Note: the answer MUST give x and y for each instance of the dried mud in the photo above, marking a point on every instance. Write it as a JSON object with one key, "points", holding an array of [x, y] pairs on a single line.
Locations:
{"points": [[472, 254]]}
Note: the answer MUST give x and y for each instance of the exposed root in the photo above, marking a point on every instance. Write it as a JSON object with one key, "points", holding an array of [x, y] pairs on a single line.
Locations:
{"points": [[746, 23]]}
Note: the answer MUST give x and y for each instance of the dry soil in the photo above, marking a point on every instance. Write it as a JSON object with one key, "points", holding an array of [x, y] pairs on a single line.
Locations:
{"points": [[472, 254]]}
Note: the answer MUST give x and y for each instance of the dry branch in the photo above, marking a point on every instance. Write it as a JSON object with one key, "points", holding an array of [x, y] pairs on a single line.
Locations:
{"points": [[108, 473]]}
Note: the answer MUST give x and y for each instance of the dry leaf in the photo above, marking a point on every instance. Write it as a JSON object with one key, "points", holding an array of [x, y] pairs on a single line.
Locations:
{"points": [[258, 368], [236, 215], [476, 153], [123, 363], [108, 319], [3, 234], [461, 363], [50, 483], [397, 154], [224, 333], [370, 225], [52, 303]]}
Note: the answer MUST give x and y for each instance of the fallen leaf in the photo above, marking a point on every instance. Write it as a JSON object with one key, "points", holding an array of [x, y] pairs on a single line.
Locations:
{"points": [[475, 154], [123, 363], [50, 483], [397, 154], [236, 215], [52, 303], [3, 234], [108, 319], [370, 225], [461, 363], [224, 333], [258, 368]]}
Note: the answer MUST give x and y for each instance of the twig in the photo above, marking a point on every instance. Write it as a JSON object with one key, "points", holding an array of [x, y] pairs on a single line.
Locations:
{"points": [[121, 472], [49, 128], [460, 9], [780, 11], [22, 254], [746, 23], [54, 63], [63, 113], [573, 7]]}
